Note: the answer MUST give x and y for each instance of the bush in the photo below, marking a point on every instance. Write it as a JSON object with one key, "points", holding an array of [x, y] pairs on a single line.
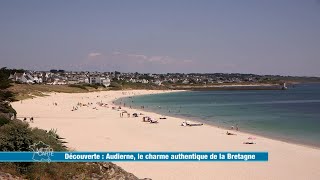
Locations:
{"points": [[6, 95], [95, 86], [15, 136], [77, 86], [3, 120], [7, 108], [50, 138]]}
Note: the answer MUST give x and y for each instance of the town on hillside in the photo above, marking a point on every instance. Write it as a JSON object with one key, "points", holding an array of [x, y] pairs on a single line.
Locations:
{"points": [[62, 77]]}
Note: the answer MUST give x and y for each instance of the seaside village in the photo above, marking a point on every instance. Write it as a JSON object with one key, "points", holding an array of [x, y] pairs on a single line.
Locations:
{"points": [[61, 77]]}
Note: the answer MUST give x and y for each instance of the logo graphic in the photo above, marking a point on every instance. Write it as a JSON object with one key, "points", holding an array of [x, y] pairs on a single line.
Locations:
{"points": [[41, 152]]}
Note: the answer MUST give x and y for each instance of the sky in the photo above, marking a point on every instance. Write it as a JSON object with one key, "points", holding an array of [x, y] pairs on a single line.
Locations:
{"points": [[160, 36]]}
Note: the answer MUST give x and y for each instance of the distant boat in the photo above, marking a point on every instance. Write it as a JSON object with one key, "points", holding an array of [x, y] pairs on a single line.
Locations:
{"points": [[284, 87]]}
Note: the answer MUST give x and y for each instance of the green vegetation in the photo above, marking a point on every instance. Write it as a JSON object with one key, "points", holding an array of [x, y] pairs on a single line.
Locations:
{"points": [[16, 135], [87, 86], [6, 111], [3, 120], [78, 86], [121, 85], [25, 91]]}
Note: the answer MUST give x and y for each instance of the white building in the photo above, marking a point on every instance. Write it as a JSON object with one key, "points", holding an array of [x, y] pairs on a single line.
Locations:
{"points": [[144, 81], [22, 78], [100, 80], [186, 81], [105, 81], [158, 82]]}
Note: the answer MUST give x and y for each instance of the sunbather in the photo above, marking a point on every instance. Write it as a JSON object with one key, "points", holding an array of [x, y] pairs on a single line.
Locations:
{"points": [[153, 121], [249, 143], [194, 124], [184, 124], [228, 133], [146, 119]]}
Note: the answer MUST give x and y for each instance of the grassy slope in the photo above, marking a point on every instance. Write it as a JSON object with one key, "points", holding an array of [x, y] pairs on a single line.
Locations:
{"points": [[24, 91]]}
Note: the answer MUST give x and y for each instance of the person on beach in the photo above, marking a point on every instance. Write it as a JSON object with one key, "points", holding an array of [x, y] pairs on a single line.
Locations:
{"points": [[228, 133], [249, 143]]}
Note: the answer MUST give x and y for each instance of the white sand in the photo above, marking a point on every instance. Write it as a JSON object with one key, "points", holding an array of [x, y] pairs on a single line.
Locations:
{"points": [[88, 129]]}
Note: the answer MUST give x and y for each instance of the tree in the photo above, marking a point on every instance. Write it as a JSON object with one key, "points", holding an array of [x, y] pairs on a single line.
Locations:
{"points": [[4, 78]]}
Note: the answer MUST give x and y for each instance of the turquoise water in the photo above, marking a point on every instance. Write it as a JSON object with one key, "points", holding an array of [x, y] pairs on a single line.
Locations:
{"points": [[292, 115]]}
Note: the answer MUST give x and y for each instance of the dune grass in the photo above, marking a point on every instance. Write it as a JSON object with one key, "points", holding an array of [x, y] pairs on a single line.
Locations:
{"points": [[25, 91]]}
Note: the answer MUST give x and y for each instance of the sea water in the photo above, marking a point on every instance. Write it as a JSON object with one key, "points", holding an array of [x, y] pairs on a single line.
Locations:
{"points": [[290, 115]]}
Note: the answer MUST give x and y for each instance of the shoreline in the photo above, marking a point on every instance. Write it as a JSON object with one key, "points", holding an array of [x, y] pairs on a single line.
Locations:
{"points": [[208, 123], [106, 131], [199, 120]]}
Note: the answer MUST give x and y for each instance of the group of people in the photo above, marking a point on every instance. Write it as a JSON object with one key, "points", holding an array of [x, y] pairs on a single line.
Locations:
{"points": [[31, 119], [235, 128], [74, 108], [79, 104], [149, 119], [122, 113]]}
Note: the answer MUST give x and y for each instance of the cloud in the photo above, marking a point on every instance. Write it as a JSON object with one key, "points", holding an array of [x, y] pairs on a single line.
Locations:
{"points": [[94, 54], [134, 62], [141, 58], [187, 61], [162, 59], [138, 56], [116, 53]]}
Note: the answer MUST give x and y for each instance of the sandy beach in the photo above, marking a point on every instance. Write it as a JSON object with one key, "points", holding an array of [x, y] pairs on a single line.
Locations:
{"points": [[97, 128]]}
